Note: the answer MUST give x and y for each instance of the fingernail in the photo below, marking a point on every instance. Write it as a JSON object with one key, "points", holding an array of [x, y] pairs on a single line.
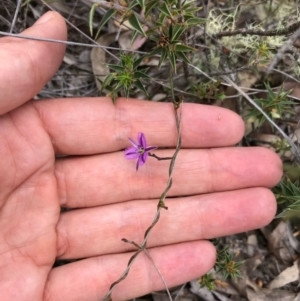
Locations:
{"points": [[44, 18]]}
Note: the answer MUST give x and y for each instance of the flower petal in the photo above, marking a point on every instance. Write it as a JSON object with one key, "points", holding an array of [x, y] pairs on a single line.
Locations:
{"points": [[142, 140], [143, 158], [131, 153], [150, 148], [133, 142], [139, 150], [139, 162]]}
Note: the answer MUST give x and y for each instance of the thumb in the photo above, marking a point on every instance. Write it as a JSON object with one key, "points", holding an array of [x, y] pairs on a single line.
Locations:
{"points": [[27, 65]]}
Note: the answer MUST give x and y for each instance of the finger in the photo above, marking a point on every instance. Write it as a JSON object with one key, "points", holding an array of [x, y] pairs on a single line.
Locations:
{"points": [[95, 125], [27, 65], [97, 231], [90, 279], [195, 172]]}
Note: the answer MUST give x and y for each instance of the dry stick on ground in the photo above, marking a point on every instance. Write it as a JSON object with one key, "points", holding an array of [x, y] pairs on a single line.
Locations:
{"points": [[249, 66], [15, 16], [160, 205], [281, 32], [283, 49]]}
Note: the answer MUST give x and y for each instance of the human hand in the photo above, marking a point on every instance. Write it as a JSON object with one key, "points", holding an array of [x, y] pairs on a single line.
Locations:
{"points": [[223, 189]]}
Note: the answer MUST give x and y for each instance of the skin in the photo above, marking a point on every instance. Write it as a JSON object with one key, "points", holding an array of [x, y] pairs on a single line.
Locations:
{"points": [[219, 189]]}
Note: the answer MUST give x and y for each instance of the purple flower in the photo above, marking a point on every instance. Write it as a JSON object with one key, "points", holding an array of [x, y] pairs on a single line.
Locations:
{"points": [[139, 150]]}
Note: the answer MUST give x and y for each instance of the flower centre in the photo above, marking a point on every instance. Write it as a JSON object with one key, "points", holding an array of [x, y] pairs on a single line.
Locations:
{"points": [[141, 150]]}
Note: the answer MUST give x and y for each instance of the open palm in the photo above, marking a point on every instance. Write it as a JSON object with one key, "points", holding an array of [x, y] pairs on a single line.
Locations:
{"points": [[222, 189]]}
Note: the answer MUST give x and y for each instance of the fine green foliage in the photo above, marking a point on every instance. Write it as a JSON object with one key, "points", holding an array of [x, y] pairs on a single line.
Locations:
{"points": [[225, 265], [125, 78], [281, 146], [275, 105], [169, 29], [208, 91], [208, 281], [165, 24], [288, 198]]}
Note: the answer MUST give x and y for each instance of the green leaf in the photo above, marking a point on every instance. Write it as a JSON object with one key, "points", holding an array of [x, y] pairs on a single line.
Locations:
{"points": [[158, 50], [138, 74], [108, 79], [177, 31], [195, 21], [171, 2], [288, 195], [149, 6], [162, 57], [183, 48], [140, 86], [126, 92], [290, 212], [132, 5], [172, 59], [137, 62], [186, 3], [104, 20], [189, 5], [91, 17], [99, 80], [135, 23], [118, 87], [26, 2], [113, 95], [270, 91], [295, 189], [134, 36], [142, 4], [161, 19], [182, 57], [165, 10], [116, 68]]}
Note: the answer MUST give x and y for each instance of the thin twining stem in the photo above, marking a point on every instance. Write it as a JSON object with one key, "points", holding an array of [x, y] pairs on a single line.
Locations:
{"points": [[160, 274], [155, 266], [160, 205], [159, 158]]}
